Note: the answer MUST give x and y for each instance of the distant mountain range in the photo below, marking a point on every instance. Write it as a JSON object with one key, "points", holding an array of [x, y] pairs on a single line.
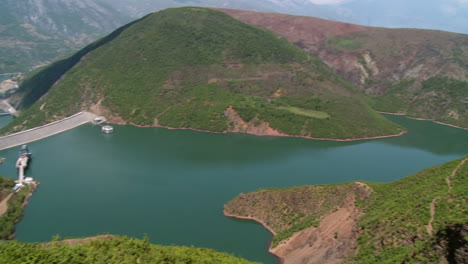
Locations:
{"points": [[36, 32], [447, 15]]}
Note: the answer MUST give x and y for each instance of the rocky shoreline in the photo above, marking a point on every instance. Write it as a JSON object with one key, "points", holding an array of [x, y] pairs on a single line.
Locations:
{"points": [[279, 134]]}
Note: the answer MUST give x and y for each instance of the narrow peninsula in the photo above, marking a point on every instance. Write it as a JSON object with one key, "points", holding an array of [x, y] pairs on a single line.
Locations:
{"points": [[421, 217], [12, 204]]}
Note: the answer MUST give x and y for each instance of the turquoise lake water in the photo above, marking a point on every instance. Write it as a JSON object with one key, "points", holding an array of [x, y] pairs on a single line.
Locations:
{"points": [[172, 184]]}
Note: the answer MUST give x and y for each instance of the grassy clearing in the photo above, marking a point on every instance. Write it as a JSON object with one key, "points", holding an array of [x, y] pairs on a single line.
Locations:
{"points": [[345, 44], [305, 112]]}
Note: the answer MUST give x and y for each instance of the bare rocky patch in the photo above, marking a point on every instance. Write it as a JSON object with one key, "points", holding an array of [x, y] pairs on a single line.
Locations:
{"points": [[254, 127], [331, 242], [330, 212]]}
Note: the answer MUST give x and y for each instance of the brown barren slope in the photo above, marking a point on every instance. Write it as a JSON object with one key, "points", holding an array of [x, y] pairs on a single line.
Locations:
{"points": [[309, 31], [311, 224]]}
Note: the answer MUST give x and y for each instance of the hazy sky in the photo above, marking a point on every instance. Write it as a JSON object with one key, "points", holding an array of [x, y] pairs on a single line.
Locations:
{"points": [[325, 2]]}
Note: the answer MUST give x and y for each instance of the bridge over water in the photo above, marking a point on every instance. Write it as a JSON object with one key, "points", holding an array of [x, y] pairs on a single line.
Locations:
{"points": [[44, 131]]}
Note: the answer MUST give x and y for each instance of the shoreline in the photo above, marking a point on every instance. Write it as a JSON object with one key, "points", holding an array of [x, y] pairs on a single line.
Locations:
{"points": [[270, 250], [23, 205], [260, 135], [422, 119], [317, 243], [253, 219]]}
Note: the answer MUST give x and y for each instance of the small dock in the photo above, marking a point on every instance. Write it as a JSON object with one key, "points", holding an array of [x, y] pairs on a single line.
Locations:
{"points": [[21, 165], [100, 121]]}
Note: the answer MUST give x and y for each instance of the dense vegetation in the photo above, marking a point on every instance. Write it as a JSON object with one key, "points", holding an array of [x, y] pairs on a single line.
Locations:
{"points": [[397, 215], [38, 82], [5, 186], [109, 249], [15, 206], [440, 98], [184, 67]]}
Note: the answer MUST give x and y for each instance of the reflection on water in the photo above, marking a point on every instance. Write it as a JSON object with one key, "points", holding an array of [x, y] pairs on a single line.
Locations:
{"points": [[6, 76], [5, 119], [429, 136]]}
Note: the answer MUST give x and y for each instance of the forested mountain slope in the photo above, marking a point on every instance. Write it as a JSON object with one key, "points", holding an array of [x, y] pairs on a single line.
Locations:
{"points": [[199, 68], [422, 73], [36, 32]]}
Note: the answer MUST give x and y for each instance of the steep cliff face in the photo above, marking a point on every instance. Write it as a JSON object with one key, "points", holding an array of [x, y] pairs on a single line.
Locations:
{"points": [[35, 32], [422, 73]]}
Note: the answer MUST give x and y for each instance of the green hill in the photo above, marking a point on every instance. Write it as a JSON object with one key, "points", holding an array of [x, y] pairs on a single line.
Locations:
{"points": [[422, 218], [202, 69], [109, 249]]}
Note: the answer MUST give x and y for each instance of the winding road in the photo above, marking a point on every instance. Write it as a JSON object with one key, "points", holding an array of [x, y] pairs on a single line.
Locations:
{"points": [[432, 207]]}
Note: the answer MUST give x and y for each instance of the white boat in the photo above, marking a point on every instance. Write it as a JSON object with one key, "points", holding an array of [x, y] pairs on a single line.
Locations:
{"points": [[107, 129]]}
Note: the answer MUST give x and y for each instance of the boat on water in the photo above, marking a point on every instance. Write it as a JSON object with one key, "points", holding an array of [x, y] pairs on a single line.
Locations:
{"points": [[107, 129], [24, 152], [24, 157]]}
